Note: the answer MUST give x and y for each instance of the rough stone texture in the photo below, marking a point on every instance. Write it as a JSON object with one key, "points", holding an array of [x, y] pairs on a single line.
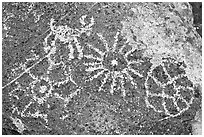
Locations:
{"points": [[100, 68]]}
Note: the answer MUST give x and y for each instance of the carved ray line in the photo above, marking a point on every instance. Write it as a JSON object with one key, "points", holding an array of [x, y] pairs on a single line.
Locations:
{"points": [[167, 111], [121, 49], [104, 41], [129, 77], [158, 82], [134, 62], [97, 75], [159, 111], [123, 87], [175, 78], [115, 41], [164, 106], [92, 64], [135, 72], [171, 81], [70, 96], [25, 108], [71, 54], [104, 81], [148, 104], [113, 84], [187, 104], [175, 103], [133, 49], [92, 57], [90, 69], [79, 48], [147, 93], [163, 95], [96, 49]]}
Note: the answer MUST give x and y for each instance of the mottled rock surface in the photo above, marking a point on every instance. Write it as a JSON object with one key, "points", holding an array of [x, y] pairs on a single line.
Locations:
{"points": [[80, 68]]}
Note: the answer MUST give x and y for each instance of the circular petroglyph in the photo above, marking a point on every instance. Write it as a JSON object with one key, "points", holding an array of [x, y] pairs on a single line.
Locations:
{"points": [[99, 68]]}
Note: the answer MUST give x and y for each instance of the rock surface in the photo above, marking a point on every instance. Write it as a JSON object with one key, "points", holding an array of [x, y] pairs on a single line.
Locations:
{"points": [[100, 68]]}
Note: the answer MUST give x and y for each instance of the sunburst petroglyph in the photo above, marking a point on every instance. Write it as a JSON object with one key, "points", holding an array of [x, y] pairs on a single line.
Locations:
{"points": [[100, 68]]}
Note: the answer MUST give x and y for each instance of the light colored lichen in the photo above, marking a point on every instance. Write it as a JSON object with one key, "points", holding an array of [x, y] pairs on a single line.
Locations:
{"points": [[149, 28], [164, 34], [197, 124]]}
